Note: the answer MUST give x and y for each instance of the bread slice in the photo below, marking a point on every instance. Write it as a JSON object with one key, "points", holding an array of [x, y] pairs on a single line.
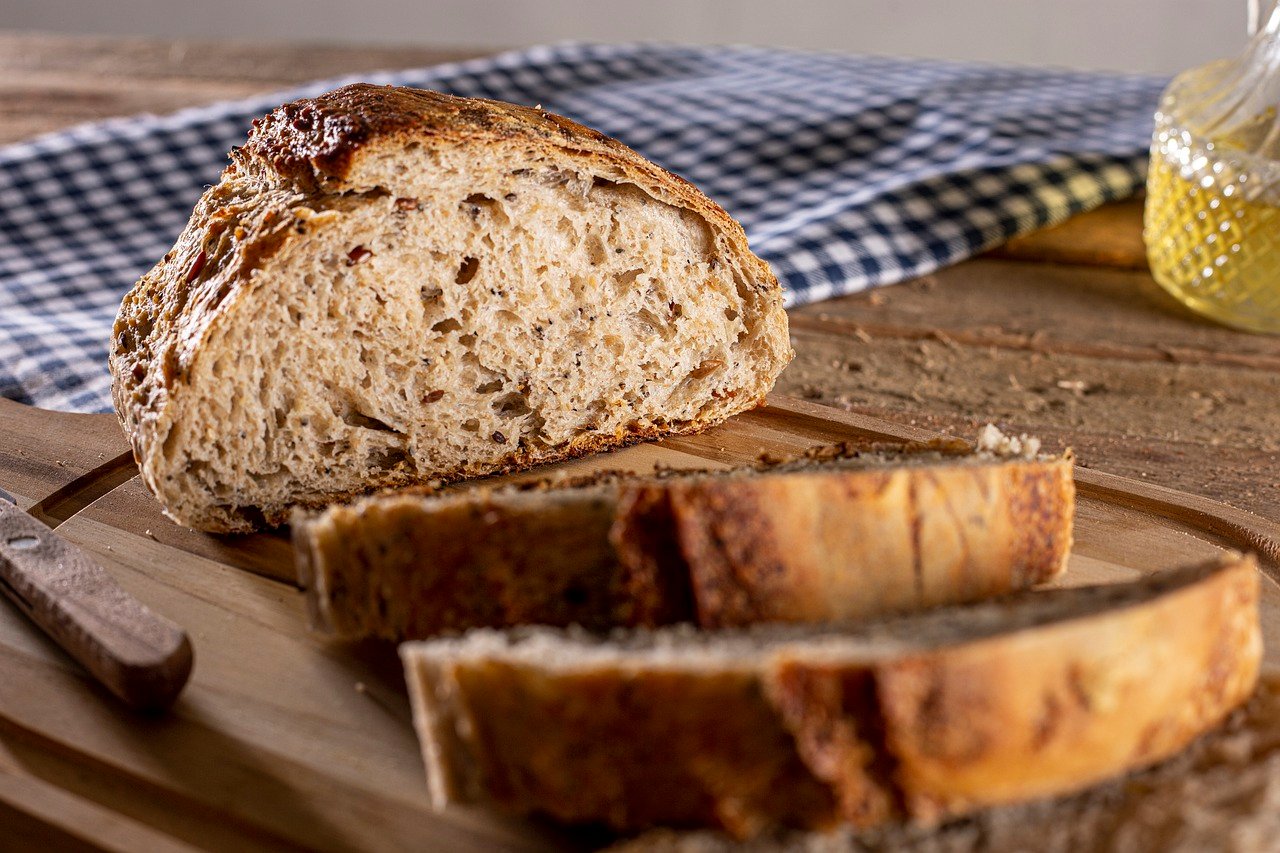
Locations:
{"points": [[919, 718], [843, 532], [390, 286], [1218, 794]]}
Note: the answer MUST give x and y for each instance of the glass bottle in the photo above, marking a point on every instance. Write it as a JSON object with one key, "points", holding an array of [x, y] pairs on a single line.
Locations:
{"points": [[1212, 220]]}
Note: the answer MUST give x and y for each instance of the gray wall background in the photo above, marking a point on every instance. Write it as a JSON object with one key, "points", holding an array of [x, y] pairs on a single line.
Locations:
{"points": [[1158, 36]]}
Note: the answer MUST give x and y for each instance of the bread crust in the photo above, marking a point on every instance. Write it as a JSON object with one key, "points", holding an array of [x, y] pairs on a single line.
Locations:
{"points": [[318, 154], [813, 547], [1035, 713], [906, 731], [769, 544]]}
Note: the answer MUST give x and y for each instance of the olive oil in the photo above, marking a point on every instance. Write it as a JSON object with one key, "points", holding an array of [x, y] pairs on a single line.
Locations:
{"points": [[1212, 223], [1212, 228]]}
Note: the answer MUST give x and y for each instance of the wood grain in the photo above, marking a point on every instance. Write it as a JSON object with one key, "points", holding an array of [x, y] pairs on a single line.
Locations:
{"points": [[1091, 358], [29, 807], [49, 81], [86, 442]]}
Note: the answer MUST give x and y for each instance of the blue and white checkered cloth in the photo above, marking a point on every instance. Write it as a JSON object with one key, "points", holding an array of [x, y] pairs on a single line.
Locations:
{"points": [[847, 172]]}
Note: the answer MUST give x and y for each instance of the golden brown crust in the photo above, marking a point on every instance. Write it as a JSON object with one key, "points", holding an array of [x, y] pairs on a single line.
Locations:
{"points": [[653, 572], [794, 540], [734, 770], [1037, 712], [839, 732], [1068, 688], [320, 139], [812, 546], [1211, 796], [1037, 498]]}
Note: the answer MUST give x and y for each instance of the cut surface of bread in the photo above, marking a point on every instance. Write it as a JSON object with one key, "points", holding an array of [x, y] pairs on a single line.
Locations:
{"points": [[914, 719], [390, 286], [843, 532]]}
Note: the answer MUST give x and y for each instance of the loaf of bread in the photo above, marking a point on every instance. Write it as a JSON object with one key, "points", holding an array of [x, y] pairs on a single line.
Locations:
{"points": [[389, 286], [915, 719], [843, 532]]}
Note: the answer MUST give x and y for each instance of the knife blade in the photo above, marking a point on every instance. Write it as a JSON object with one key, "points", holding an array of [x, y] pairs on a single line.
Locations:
{"points": [[140, 656]]}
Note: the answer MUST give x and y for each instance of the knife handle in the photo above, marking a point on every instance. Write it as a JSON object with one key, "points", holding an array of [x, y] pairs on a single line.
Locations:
{"points": [[140, 656]]}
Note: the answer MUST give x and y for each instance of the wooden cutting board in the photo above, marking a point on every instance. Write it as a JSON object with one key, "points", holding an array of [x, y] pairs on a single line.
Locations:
{"points": [[285, 740]]}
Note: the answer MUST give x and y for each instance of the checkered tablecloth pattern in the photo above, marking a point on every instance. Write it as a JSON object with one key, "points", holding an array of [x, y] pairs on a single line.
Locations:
{"points": [[848, 172]]}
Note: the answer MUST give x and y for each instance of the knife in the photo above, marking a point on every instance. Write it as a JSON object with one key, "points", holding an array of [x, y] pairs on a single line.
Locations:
{"points": [[137, 654]]}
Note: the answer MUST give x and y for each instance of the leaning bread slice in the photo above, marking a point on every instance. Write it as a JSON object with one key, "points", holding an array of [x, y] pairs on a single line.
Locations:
{"points": [[390, 286], [915, 719], [843, 532]]}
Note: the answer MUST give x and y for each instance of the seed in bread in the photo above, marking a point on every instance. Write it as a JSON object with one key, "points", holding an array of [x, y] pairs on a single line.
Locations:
{"points": [[842, 532], [390, 286], [914, 719]]}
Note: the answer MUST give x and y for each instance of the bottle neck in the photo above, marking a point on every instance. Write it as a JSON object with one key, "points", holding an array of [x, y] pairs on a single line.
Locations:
{"points": [[1259, 14]]}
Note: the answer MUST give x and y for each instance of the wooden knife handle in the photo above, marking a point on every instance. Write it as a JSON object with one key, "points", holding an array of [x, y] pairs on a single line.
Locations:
{"points": [[137, 654]]}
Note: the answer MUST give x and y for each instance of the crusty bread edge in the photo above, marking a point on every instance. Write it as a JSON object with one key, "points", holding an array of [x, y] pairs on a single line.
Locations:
{"points": [[445, 754], [451, 764], [1038, 528], [955, 747]]}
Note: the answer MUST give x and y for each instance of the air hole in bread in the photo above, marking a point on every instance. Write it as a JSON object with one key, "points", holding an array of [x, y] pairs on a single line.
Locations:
{"points": [[467, 340], [467, 270], [507, 316], [388, 457], [513, 405], [251, 515], [170, 443], [654, 323], [446, 326], [471, 425], [598, 182], [730, 314], [629, 277], [491, 387], [595, 249], [356, 418]]}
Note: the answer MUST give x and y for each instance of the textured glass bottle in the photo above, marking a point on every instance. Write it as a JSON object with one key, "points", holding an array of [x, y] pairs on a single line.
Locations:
{"points": [[1212, 223]]}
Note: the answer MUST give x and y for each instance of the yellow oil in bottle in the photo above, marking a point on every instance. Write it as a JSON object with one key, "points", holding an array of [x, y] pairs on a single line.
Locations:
{"points": [[1212, 222], [1212, 229]]}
